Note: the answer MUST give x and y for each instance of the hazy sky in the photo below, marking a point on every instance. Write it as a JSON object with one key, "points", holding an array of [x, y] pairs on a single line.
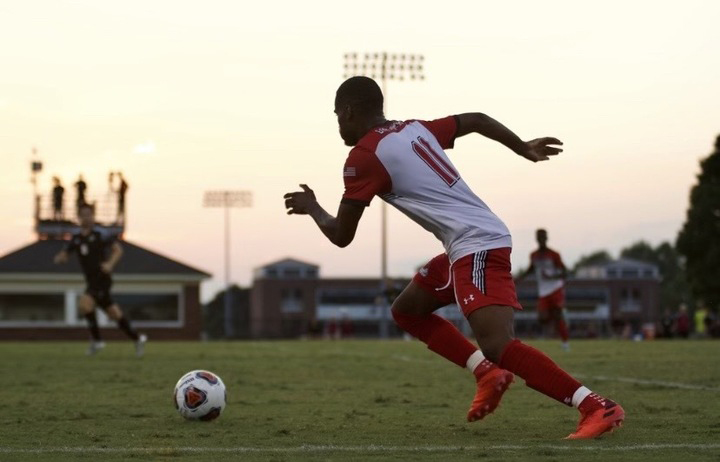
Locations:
{"points": [[185, 97]]}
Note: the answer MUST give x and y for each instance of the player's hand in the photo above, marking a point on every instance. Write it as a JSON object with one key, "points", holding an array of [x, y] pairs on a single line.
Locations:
{"points": [[540, 149], [300, 202], [61, 257], [106, 267]]}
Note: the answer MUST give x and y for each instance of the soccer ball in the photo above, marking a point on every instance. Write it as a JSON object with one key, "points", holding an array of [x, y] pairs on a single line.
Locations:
{"points": [[200, 395]]}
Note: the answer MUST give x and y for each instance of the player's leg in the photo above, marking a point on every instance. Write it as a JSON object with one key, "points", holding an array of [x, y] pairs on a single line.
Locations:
{"points": [[115, 313], [413, 311], [87, 303], [558, 316], [491, 301], [543, 315], [493, 328]]}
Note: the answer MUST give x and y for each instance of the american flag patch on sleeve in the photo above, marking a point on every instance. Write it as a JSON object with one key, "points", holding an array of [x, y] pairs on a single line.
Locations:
{"points": [[349, 171]]}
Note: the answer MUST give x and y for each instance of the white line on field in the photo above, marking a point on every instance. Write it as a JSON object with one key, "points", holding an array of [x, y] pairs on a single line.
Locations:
{"points": [[658, 383], [359, 449]]}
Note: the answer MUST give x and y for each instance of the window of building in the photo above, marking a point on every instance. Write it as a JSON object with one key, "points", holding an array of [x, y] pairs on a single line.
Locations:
{"points": [[149, 308], [630, 300], [629, 273], [38, 308], [292, 301]]}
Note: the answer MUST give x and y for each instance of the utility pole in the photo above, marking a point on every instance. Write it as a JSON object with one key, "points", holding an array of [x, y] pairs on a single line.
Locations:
{"points": [[384, 66], [228, 200]]}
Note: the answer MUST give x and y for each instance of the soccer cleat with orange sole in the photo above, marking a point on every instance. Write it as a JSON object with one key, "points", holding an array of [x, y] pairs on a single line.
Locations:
{"points": [[490, 389], [603, 419]]}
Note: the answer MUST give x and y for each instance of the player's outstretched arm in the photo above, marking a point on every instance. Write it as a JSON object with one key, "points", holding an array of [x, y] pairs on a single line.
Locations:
{"points": [[115, 254], [339, 230], [535, 150]]}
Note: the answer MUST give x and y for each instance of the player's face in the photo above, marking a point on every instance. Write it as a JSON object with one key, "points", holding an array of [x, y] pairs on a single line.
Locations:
{"points": [[347, 132], [541, 238], [86, 217]]}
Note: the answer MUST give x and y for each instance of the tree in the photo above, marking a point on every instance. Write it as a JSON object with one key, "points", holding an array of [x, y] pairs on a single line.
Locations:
{"points": [[673, 287], [597, 257], [699, 239], [214, 314]]}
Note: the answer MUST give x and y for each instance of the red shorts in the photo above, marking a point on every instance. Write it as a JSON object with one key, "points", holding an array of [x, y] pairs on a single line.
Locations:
{"points": [[554, 301], [477, 280]]}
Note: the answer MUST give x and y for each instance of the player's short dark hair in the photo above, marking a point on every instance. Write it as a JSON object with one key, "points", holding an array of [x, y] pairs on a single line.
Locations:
{"points": [[541, 230], [362, 94]]}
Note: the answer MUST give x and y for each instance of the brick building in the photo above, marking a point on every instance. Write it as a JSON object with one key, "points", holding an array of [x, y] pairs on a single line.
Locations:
{"points": [[289, 296]]}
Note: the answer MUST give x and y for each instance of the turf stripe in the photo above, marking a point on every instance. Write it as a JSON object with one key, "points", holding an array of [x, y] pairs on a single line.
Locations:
{"points": [[361, 449], [657, 383]]}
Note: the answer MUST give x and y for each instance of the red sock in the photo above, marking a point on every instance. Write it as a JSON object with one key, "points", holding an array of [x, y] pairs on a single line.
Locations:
{"points": [[562, 330], [439, 335], [539, 371]]}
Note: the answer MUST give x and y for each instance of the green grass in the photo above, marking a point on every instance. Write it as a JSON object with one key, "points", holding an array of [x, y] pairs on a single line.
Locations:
{"points": [[349, 400]]}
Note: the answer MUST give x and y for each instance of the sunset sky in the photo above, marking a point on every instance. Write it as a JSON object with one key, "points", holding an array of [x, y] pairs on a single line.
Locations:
{"points": [[185, 97]]}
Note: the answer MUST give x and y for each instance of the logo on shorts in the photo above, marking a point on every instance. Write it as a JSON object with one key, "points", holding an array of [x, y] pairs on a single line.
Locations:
{"points": [[423, 271], [469, 299]]}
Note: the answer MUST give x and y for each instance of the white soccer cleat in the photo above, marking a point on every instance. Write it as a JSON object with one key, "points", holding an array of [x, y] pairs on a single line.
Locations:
{"points": [[95, 347], [565, 346], [140, 345]]}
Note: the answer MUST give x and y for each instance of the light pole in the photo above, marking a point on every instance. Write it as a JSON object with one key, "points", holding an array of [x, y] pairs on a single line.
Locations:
{"points": [[384, 66], [228, 200]]}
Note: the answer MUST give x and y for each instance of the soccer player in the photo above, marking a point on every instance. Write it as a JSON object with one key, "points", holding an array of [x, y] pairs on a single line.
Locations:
{"points": [[92, 245], [550, 273], [404, 163]]}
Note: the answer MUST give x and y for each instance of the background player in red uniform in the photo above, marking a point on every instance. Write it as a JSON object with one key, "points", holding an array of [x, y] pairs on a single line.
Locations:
{"points": [[404, 162], [550, 274], [98, 252]]}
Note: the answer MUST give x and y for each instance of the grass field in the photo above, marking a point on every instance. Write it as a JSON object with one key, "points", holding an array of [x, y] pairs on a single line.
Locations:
{"points": [[349, 400]]}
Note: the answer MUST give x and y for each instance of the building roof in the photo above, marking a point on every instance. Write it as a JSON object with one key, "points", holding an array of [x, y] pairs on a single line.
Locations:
{"points": [[37, 258], [289, 262]]}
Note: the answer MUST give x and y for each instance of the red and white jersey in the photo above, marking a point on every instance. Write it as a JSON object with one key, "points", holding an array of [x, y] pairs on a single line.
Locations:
{"points": [[404, 163], [548, 266]]}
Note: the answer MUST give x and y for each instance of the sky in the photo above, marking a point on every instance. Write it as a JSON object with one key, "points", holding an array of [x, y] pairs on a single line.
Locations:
{"points": [[187, 97]]}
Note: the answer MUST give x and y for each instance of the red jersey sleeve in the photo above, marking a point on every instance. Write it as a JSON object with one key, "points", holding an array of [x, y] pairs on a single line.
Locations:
{"points": [[444, 130], [365, 177], [557, 260]]}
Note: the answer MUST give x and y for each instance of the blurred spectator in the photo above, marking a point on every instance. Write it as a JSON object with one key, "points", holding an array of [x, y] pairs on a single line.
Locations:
{"points": [[80, 187], [332, 332], [701, 312], [57, 194], [121, 191], [682, 324], [315, 329], [712, 324], [347, 329], [667, 323]]}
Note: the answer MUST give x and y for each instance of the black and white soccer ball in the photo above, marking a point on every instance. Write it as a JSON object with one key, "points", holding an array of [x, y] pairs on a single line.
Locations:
{"points": [[200, 395]]}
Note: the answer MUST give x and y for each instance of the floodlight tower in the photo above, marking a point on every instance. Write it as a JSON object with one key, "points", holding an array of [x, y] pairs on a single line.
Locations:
{"points": [[384, 66], [228, 200]]}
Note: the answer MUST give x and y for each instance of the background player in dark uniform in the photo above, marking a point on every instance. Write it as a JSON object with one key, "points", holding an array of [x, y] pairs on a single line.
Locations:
{"points": [[98, 253]]}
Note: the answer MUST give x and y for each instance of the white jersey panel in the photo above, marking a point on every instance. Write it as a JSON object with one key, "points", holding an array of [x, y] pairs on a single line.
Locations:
{"points": [[427, 188]]}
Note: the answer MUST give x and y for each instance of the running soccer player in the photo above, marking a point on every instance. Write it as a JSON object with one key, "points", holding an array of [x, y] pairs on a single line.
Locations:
{"points": [[404, 163], [550, 273], [92, 245]]}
